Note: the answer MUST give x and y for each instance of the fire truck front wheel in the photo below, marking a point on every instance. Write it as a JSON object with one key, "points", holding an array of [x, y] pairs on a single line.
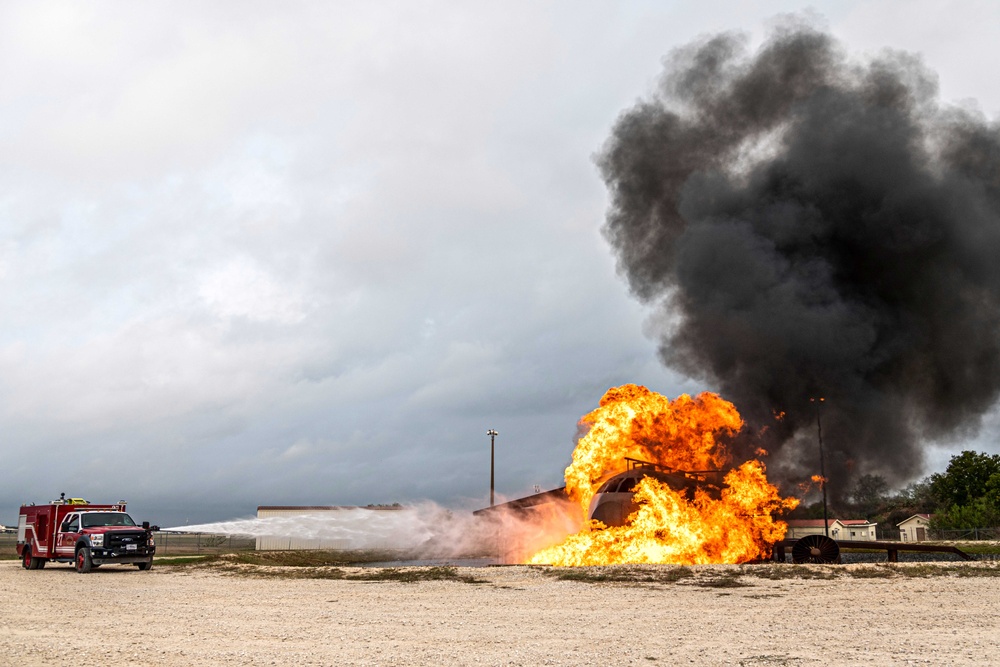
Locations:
{"points": [[145, 565], [84, 563]]}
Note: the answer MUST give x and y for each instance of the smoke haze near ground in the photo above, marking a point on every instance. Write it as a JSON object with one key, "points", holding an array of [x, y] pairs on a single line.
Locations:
{"points": [[424, 530], [808, 225]]}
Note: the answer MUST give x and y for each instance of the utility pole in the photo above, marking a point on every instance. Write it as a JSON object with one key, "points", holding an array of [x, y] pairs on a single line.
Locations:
{"points": [[822, 467], [493, 434]]}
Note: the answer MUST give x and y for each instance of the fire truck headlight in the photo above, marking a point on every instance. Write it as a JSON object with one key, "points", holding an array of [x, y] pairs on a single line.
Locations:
{"points": [[97, 540], [150, 542]]}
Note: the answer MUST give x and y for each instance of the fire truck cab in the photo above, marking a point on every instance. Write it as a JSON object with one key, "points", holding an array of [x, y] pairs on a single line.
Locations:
{"points": [[88, 535]]}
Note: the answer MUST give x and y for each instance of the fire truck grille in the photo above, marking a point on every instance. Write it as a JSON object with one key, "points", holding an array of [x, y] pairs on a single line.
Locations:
{"points": [[119, 541]]}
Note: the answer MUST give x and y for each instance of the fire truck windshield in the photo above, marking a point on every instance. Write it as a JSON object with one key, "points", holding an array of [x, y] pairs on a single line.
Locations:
{"points": [[95, 519]]}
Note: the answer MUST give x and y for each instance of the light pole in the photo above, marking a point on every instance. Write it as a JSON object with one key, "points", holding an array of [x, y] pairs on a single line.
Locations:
{"points": [[822, 468], [493, 434]]}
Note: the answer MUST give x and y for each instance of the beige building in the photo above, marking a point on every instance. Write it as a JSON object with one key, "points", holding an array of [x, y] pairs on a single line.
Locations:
{"points": [[840, 529], [801, 527], [915, 528], [854, 529]]}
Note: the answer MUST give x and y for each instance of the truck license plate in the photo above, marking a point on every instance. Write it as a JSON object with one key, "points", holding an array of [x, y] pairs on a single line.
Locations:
{"points": [[131, 547]]}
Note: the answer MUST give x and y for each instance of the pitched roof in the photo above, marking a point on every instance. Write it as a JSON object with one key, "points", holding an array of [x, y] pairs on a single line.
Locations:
{"points": [[807, 523], [818, 523], [925, 517]]}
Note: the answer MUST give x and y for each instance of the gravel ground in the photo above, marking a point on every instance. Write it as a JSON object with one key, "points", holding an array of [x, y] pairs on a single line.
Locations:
{"points": [[521, 616]]}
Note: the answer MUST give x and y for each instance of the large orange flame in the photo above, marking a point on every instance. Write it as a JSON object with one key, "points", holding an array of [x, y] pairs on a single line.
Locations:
{"points": [[735, 526]]}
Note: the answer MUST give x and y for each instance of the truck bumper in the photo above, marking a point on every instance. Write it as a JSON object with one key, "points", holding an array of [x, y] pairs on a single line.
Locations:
{"points": [[107, 557], [122, 559]]}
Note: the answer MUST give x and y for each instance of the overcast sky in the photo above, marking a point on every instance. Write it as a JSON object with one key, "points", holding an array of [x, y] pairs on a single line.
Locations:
{"points": [[308, 253]]}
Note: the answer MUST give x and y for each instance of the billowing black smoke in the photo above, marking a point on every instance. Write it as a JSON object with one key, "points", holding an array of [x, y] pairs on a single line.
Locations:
{"points": [[815, 226]]}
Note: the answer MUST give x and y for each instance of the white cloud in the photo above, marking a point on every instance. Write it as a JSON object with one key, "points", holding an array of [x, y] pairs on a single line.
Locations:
{"points": [[240, 288]]}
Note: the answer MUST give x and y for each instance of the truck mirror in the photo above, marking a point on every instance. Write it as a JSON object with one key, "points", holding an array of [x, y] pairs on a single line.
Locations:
{"points": [[145, 525]]}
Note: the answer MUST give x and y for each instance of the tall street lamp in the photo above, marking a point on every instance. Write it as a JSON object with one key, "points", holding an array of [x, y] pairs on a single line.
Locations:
{"points": [[493, 434], [822, 469]]}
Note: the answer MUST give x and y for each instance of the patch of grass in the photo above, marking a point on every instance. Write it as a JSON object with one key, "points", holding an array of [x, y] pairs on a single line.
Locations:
{"points": [[303, 558], [769, 660], [182, 560], [976, 571], [980, 548], [230, 564], [675, 574], [412, 574], [922, 570], [878, 571], [925, 570], [234, 566], [656, 574], [782, 571], [721, 580], [334, 573]]}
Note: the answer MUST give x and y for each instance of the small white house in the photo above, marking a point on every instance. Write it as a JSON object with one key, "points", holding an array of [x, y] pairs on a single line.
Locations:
{"points": [[839, 529], [854, 529], [801, 527], [915, 528]]}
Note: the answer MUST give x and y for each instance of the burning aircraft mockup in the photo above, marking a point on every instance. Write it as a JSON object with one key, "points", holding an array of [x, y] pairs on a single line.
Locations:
{"points": [[674, 505]]}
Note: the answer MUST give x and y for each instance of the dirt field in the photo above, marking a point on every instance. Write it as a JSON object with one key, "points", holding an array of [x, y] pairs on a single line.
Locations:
{"points": [[519, 616]]}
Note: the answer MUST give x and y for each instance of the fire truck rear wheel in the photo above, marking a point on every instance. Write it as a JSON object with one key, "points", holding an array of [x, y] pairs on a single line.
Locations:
{"points": [[29, 562], [83, 561]]}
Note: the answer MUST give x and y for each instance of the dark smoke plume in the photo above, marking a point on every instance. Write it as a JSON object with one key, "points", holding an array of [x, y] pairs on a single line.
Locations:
{"points": [[813, 226]]}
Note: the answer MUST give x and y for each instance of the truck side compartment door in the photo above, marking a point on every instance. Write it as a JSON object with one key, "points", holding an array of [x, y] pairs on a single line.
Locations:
{"points": [[43, 545]]}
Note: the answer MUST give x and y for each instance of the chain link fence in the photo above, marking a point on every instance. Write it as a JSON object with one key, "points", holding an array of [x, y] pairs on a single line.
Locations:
{"points": [[971, 534], [891, 533], [187, 544]]}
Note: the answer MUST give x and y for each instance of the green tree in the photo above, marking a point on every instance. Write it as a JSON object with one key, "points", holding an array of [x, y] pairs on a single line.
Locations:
{"points": [[869, 494], [916, 497], [965, 480], [980, 513], [992, 495]]}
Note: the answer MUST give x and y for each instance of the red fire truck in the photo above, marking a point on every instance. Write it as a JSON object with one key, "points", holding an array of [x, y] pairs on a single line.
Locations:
{"points": [[75, 531]]}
